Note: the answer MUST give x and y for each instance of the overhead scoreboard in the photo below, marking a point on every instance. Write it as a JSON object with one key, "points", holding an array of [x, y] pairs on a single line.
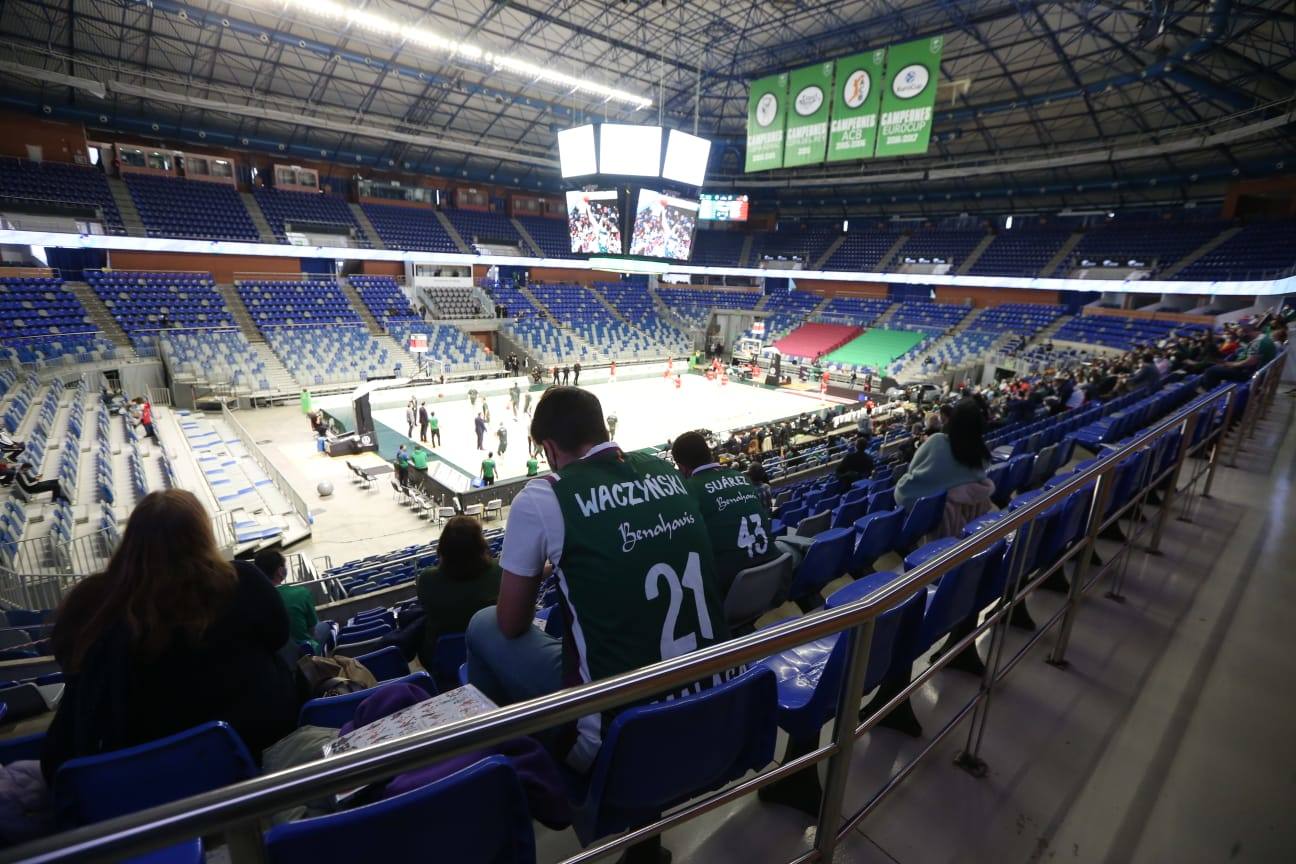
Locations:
{"points": [[877, 103]]}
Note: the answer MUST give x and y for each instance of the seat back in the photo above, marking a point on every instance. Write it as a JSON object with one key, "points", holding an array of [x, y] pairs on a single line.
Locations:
{"points": [[755, 589], [954, 597], [882, 499], [449, 654], [334, 712], [94, 788], [812, 526], [824, 561], [924, 517], [657, 756], [875, 536], [446, 819], [385, 663]]}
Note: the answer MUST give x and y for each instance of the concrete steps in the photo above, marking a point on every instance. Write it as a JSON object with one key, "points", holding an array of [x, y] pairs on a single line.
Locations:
{"points": [[544, 310], [1062, 254], [1197, 253], [453, 232], [281, 380], [99, 314], [744, 257], [264, 231], [353, 297], [363, 219], [892, 252], [241, 316], [527, 238], [819, 262], [975, 254], [131, 219], [884, 319]]}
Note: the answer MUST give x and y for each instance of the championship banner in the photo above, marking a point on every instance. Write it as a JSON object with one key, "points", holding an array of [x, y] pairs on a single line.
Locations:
{"points": [[766, 107], [907, 100], [853, 130], [810, 95]]}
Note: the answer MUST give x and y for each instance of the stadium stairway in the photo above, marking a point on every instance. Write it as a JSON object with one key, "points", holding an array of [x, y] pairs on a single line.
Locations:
{"points": [[891, 253], [260, 512], [744, 257], [453, 232], [100, 315], [975, 255], [884, 319], [1063, 254], [361, 308], [1202, 250], [126, 207], [363, 219], [264, 231], [667, 314], [241, 316], [540, 307], [616, 313], [527, 238], [281, 380], [819, 262]]}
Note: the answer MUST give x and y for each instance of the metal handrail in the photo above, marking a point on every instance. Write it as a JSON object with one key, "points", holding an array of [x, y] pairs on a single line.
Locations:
{"points": [[237, 807]]}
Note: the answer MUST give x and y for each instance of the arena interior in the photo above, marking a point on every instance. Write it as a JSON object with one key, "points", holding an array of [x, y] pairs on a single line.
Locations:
{"points": [[980, 309]]}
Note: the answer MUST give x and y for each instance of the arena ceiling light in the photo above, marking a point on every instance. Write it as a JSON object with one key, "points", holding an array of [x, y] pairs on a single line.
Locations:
{"points": [[361, 19]]}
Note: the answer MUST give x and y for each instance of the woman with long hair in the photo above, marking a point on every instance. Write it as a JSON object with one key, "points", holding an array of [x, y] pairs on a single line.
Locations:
{"points": [[953, 457], [466, 578], [169, 636]]}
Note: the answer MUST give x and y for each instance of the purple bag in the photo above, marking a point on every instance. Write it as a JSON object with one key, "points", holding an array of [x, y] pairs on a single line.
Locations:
{"points": [[541, 780]]}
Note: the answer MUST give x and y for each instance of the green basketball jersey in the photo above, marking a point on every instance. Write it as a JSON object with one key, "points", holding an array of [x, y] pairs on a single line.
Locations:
{"points": [[739, 526], [636, 568]]}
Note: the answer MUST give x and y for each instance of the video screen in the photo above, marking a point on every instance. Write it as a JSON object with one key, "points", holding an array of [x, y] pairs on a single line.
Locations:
{"points": [[576, 151], [723, 208], [631, 150], [663, 226], [686, 158], [594, 222]]}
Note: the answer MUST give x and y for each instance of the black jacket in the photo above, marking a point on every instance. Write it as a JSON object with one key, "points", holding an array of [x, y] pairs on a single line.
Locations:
{"points": [[234, 674]]}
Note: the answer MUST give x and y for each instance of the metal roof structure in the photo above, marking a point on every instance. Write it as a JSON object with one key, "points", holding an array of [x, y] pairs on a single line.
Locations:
{"points": [[1070, 103]]}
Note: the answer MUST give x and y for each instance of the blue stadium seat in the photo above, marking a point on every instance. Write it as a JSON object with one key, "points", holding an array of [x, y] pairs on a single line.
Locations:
{"points": [[94, 788], [657, 756], [825, 560], [385, 663], [475, 816], [336, 711], [810, 679], [876, 533]]}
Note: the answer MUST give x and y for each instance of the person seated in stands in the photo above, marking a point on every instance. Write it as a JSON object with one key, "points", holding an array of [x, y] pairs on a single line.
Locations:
{"points": [[169, 636], [760, 479], [465, 579], [1146, 376], [10, 448], [299, 603], [30, 482], [738, 523], [955, 457], [857, 464], [597, 519], [1259, 350]]}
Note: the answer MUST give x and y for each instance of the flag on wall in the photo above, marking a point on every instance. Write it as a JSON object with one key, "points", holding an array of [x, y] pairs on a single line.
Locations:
{"points": [[905, 124], [853, 130], [809, 98], [766, 109]]}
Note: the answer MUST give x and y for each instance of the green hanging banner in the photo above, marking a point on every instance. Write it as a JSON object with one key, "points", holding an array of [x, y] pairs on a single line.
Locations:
{"points": [[809, 96], [853, 130], [904, 127], [766, 109]]}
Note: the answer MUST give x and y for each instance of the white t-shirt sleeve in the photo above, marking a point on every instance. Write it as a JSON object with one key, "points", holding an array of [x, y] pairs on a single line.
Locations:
{"points": [[534, 533]]}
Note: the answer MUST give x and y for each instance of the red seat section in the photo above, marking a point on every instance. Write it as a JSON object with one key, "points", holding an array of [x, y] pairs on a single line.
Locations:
{"points": [[811, 340]]}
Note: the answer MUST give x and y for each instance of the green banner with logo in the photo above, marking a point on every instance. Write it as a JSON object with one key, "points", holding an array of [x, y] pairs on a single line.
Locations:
{"points": [[766, 110], [904, 127], [853, 129], [809, 97]]}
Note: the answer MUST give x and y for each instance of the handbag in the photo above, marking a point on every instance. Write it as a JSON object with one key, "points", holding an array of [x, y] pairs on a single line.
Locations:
{"points": [[334, 676]]}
